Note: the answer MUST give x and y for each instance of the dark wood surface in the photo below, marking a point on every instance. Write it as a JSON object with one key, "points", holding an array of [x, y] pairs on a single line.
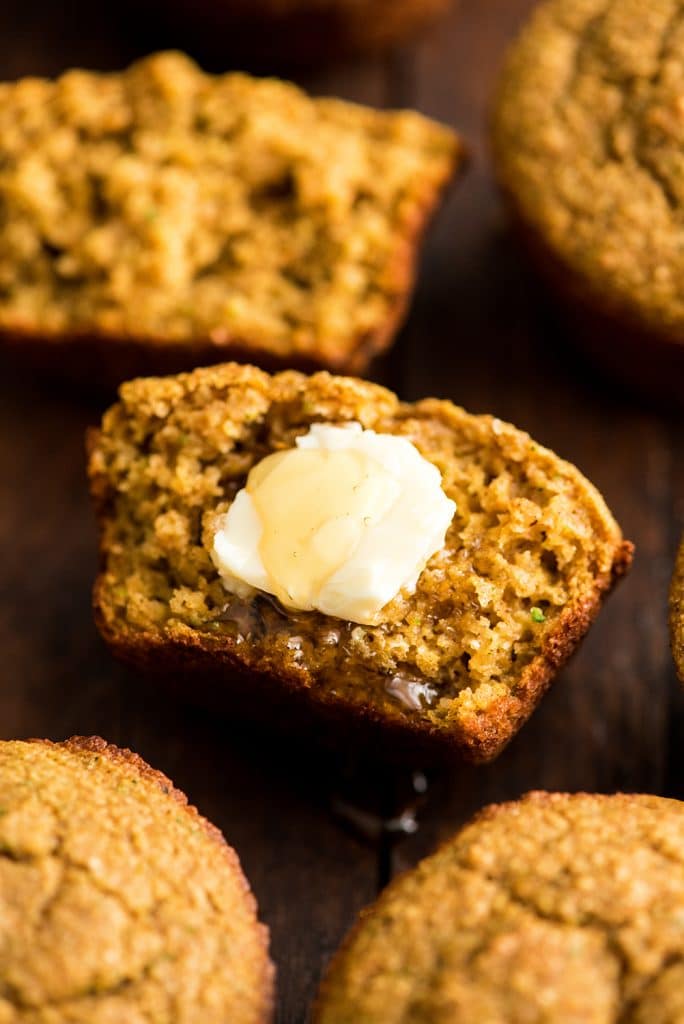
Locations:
{"points": [[482, 332]]}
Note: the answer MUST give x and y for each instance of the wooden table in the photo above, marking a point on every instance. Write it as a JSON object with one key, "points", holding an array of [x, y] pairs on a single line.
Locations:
{"points": [[482, 332]]}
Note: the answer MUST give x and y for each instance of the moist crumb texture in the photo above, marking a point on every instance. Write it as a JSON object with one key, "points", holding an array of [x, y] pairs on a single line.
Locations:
{"points": [[176, 208], [677, 613], [556, 909], [118, 902], [528, 556], [588, 141]]}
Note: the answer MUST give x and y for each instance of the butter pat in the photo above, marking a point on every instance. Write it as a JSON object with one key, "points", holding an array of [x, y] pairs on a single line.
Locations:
{"points": [[341, 523]]}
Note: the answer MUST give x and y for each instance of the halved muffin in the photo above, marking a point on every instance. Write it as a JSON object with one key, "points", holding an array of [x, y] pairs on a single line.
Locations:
{"points": [[160, 218], [458, 662]]}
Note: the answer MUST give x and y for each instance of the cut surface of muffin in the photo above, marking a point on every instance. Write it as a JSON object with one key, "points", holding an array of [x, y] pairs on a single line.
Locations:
{"points": [[677, 612], [194, 216], [588, 142], [530, 553], [553, 909], [118, 902]]}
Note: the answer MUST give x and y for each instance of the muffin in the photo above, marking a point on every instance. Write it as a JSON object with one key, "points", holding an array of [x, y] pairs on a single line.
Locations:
{"points": [[455, 663], [118, 902], [159, 218], [555, 908], [311, 30], [677, 613], [587, 140]]}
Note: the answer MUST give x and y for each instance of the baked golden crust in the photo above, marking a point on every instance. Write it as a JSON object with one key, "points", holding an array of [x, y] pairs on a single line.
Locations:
{"points": [[555, 908], [199, 667], [677, 612], [160, 216], [458, 665], [586, 140], [103, 846]]}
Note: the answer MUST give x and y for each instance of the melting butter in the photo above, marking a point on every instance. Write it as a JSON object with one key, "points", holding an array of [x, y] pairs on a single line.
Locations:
{"points": [[313, 506], [340, 523]]}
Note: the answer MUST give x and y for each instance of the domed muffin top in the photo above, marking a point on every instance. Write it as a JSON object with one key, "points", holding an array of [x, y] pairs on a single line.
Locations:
{"points": [[117, 900], [555, 908]]}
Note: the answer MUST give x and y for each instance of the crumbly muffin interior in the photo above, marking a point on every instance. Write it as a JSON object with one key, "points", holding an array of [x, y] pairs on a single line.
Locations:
{"points": [[117, 901], [530, 537], [554, 909], [162, 202], [588, 140]]}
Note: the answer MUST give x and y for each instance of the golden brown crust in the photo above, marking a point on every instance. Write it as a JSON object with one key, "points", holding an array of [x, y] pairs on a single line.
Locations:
{"points": [[540, 898], [91, 856], [129, 759], [677, 612], [212, 662]]}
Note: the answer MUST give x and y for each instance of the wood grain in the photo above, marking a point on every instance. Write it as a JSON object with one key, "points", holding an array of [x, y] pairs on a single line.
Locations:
{"points": [[484, 333]]}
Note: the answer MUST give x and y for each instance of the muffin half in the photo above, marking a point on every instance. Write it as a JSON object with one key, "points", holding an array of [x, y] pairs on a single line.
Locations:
{"points": [[160, 218], [553, 909], [587, 145], [457, 661], [118, 902]]}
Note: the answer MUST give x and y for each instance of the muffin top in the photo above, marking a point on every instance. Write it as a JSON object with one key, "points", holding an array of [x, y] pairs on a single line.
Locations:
{"points": [[588, 135], [118, 902], [677, 613], [555, 908]]}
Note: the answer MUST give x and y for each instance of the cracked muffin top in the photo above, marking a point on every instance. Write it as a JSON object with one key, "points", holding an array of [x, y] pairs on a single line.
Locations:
{"points": [[550, 910], [588, 139], [677, 612], [118, 902]]}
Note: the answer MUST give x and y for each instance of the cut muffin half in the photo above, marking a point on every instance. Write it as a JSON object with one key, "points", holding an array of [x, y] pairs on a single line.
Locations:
{"points": [[554, 909], [160, 218], [459, 663], [118, 901]]}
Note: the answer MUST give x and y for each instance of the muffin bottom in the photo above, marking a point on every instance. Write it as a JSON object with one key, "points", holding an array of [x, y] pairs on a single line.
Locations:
{"points": [[643, 357]]}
